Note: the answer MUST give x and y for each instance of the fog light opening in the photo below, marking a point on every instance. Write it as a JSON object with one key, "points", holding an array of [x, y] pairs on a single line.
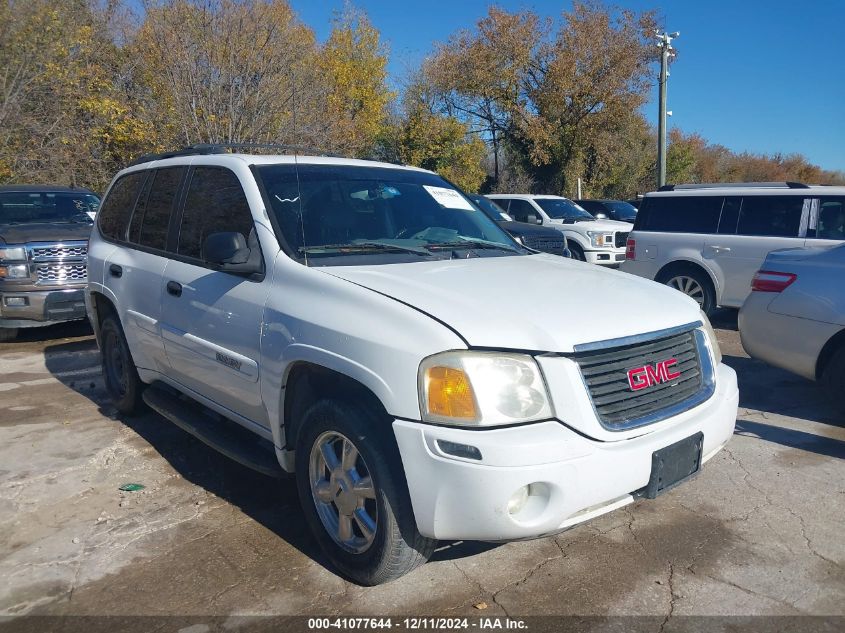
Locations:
{"points": [[16, 302], [529, 502]]}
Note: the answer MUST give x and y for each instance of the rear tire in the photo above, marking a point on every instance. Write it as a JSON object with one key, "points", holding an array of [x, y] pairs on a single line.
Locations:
{"points": [[354, 494], [119, 372], [694, 283], [8, 334], [833, 379]]}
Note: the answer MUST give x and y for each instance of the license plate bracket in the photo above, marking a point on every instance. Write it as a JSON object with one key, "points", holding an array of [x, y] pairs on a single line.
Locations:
{"points": [[674, 464]]}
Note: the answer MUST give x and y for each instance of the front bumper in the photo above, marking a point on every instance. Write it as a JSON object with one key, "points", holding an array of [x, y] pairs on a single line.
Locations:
{"points": [[42, 307], [607, 257], [576, 478]]}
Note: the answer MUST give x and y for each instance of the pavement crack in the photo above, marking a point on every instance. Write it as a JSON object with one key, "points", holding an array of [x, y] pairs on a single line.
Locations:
{"points": [[672, 597]]}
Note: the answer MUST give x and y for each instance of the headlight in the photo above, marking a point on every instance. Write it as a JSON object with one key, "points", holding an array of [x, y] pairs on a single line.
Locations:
{"points": [[482, 389], [17, 271], [714, 342], [15, 253], [599, 239]]}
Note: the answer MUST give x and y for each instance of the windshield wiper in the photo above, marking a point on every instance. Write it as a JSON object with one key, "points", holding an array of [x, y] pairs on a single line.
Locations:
{"points": [[472, 244], [363, 247]]}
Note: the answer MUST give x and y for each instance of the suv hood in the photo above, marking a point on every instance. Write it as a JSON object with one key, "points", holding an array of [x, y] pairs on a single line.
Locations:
{"points": [[533, 302], [598, 225], [44, 232]]}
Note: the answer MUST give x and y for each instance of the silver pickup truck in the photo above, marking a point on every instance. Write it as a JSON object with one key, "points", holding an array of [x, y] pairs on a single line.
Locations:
{"points": [[44, 234]]}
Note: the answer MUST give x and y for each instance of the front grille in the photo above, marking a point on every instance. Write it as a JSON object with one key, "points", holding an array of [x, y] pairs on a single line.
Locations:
{"points": [[546, 244], [617, 405], [61, 273], [59, 251], [620, 239]]}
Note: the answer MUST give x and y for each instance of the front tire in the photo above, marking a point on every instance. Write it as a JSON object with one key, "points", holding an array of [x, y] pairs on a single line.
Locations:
{"points": [[833, 379], [354, 495], [577, 252], [119, 372]]}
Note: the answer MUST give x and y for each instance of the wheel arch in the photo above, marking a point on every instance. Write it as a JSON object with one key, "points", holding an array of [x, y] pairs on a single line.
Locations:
{"points": [[836, 342], [307, 381], [678, 265]]}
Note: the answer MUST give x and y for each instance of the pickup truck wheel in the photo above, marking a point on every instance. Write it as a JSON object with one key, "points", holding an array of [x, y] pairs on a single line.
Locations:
{"points": [[354, 494], [833, 379], [8, 334], [577, 252], [119, 373]]}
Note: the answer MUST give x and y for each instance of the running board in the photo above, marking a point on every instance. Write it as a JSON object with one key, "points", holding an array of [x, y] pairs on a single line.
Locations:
{"points": [[224, 436]]}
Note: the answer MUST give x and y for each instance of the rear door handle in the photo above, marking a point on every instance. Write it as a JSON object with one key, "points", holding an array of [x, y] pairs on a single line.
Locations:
{"points": [[721, 249], [174, 288], [115, 270]]}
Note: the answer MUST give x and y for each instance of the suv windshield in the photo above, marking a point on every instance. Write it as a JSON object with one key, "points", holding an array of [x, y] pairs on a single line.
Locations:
{"points": [[26, 207], [563, 209], [342, 214], [624, 211]]}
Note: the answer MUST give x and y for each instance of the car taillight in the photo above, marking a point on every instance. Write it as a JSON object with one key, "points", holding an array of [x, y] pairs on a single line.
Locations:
{"points": [[771, 281], [631, 249]]}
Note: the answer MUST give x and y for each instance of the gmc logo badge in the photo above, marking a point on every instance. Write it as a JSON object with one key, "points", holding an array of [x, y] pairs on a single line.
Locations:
{"points": [[648, 375]]}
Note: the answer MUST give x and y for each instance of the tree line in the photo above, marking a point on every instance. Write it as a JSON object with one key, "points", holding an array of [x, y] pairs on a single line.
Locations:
{"points": [[515, 102]]}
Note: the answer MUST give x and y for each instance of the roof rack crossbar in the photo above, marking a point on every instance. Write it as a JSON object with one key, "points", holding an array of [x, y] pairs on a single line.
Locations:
{"points": [[204, 149], [732, 185]]}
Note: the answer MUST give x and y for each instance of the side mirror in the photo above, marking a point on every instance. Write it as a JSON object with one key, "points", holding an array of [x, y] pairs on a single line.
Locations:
{"points": [[230, 252]]}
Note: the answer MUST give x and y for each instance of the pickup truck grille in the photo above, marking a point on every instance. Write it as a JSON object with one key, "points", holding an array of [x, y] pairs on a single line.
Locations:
{"points": [[620, 239], [552, 245], [617, 404], [61, 273], [59, 251]]}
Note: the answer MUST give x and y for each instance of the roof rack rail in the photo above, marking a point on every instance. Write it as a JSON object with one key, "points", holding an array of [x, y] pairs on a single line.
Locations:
{"points": [[204, 149], [730, 185]]}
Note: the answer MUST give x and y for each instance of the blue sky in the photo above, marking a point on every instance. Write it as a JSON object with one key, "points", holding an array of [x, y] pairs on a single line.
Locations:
{"points": [[762, 76]]}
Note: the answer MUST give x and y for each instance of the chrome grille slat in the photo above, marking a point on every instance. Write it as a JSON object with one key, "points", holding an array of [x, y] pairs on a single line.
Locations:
{"points": [[59, 251], [605, 374], [60, 273]]}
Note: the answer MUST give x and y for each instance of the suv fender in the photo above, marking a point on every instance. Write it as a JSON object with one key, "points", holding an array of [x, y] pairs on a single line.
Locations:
{"points": [[682, 262]]}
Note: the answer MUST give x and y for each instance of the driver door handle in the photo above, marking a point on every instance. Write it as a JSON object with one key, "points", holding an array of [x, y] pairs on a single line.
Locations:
{"points": [[721, 249], [174, 288]]}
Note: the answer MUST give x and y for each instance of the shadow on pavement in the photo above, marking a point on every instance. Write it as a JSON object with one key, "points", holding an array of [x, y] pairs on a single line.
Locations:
{"points": [[772, 390], [271, 502], [71, 329], [789, 437], [725, 319]]}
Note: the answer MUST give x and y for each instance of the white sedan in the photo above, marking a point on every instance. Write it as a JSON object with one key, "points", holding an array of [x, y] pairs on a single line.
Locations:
{"points": [[795, 316]]}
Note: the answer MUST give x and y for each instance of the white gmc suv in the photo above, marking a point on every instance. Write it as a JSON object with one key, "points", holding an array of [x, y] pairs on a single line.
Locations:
{"points": [[358, 320]]}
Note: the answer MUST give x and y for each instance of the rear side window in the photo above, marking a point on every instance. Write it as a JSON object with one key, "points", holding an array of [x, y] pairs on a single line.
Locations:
{"points": [[831, 222], [152, 216], [774, 216], [215, 203], [680, 214], [523, 211], [113, 217]]}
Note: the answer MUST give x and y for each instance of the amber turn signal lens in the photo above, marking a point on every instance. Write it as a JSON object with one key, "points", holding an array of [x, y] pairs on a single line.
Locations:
{"points": [[450, 393]]}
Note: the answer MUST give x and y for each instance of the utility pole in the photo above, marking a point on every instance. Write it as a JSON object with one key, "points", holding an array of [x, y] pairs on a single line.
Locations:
{"points": [[666, 51]]}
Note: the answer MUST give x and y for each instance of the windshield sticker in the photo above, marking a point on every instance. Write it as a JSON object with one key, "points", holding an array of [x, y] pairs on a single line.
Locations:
{"points": [[448, 198]]}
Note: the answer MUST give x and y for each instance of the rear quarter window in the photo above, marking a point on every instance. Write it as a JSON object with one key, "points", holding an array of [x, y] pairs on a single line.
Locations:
{"points": [[113, 217], [679, 214]]}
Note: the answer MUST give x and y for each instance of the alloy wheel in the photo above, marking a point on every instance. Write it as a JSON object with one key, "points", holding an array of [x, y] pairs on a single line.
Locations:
{"points": [[343, 492], [688, 286]]}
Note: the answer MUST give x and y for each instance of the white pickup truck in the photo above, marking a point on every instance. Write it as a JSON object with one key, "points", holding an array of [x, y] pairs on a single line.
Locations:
{"points": [[423, 375]]}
